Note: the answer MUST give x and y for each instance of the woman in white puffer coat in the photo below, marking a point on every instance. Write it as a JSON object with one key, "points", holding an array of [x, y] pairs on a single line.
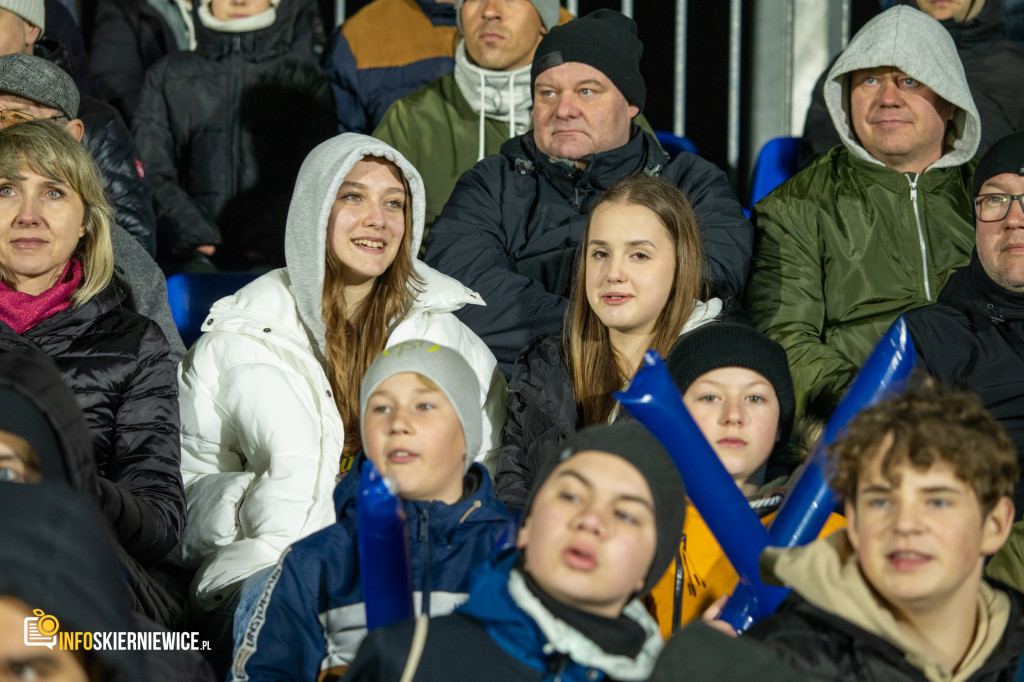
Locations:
{"points": [[269, 394]]}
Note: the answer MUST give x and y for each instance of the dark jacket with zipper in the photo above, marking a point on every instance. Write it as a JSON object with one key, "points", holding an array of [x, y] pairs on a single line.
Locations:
{"points": [[116, 363], [824, 646], [513, 222], [315, 616], [973, 338], [223, 131]]}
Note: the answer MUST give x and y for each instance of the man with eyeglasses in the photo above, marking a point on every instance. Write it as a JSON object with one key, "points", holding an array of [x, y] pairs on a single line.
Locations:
{"points": [[875, 226], [974, 334]]}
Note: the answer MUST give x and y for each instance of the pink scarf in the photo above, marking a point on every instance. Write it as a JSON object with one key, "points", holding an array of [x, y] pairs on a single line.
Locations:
{"points": [[22, 311]]}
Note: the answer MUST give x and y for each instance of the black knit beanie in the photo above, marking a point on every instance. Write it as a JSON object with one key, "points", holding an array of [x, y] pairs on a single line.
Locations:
{"points": [[635, 444], [18, 415], [604, 39], [1005, 156], [731, 344]]}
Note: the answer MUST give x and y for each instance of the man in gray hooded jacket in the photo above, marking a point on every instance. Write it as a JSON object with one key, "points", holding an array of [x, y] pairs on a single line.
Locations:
{"points": [[873, 227]]}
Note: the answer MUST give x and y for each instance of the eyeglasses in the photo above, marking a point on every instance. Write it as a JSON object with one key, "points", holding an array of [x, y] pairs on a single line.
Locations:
{"points": [[9, 117], [991, 208]]}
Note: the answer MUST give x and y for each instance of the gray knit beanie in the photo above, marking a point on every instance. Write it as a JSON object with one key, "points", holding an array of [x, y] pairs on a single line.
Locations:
{"points": [[634, 443], [444, 367], [32, 11], [41, 81], [547, 9]]}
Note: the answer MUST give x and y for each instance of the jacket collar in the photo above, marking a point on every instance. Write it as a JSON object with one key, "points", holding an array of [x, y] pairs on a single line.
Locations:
{"points": [[519, 623], [640, 153], [971, 287]]}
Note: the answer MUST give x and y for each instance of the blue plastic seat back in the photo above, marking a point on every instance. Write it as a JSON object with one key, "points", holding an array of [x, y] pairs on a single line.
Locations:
{"points": [[673, 144], [777, 162], [192, 294]]}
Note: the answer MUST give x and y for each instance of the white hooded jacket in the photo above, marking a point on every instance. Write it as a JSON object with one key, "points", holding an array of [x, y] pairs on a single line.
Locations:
{"points": [[261, 435]]}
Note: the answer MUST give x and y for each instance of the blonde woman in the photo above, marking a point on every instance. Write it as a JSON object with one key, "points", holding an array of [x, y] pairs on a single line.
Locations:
{"points": [[638, 286], [59, 293]]}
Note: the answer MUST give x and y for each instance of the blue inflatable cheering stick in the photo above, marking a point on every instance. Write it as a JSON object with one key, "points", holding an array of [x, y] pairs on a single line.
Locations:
{"points": [[384, 561], [654, 400]]}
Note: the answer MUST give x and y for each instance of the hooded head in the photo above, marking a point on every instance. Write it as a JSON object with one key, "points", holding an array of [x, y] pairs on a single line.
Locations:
{"points": [[57, 557], [316, 189], [39, 408], [910, 41]]}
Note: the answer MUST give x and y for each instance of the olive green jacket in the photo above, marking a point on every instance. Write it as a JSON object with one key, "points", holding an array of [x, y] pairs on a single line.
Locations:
{"points": [[841, 250]]}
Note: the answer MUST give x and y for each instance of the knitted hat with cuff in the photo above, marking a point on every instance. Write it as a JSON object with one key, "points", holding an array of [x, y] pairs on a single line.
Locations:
{"points": [[1005, 156], [32, 11], [441, 365], [604, 39]]}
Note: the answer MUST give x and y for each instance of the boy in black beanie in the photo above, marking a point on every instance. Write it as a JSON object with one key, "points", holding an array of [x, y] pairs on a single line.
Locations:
{"points": [[600, 528]]}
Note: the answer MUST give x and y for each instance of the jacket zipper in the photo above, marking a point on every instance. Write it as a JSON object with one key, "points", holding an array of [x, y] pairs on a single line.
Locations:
{"points": [[920, 236], [424, 542]]}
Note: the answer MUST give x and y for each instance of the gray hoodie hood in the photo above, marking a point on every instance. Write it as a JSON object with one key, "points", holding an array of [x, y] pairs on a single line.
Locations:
{"points": [[305, 237], [919, 46]]}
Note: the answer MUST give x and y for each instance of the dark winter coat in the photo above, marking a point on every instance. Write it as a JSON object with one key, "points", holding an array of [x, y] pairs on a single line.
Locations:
{"points": [[503, 634], [826, 647], [124, 178], [512, 225], [973, 338], [128, 38], [370, 68], [993, 64], [38, 381], [541, 413], [116, 363], [223, 131]]}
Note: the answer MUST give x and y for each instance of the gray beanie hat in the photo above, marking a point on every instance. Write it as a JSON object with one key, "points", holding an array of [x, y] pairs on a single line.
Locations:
{"points": [[444, 367], [547, 9], [42, 82], [32, 11]]}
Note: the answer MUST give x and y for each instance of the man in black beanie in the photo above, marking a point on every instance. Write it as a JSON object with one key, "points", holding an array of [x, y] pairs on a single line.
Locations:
{"points": [[974, 334], [512, 225]]}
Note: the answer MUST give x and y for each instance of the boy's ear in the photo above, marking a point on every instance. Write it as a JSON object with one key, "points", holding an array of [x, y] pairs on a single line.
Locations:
{"points": [[523, 535], [997, 525], [850, 511]]}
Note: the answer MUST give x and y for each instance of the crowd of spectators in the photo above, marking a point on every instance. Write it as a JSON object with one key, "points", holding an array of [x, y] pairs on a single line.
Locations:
{"points": [[463, 238]]}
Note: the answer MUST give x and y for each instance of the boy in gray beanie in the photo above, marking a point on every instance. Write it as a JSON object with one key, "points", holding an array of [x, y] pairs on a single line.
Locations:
{"points": [[420, 415]]}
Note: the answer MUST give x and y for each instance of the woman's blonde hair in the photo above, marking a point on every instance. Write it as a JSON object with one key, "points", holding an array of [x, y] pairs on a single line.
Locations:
{"points": [[48, 149], [596, 369], [354, 340]]}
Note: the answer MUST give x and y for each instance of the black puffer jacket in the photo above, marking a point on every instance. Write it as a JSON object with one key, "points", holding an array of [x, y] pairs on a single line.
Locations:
{"points": [[112, 148], [973, 337], [223, 131], [825, 647], [116, 363], [129, 37], [541, 413], [993, 64], [511, 227]]}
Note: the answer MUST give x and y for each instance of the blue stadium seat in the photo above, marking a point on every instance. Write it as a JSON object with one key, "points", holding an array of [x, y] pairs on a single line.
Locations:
{"points": [[777, 162], [192, 294], [673, 144]]}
